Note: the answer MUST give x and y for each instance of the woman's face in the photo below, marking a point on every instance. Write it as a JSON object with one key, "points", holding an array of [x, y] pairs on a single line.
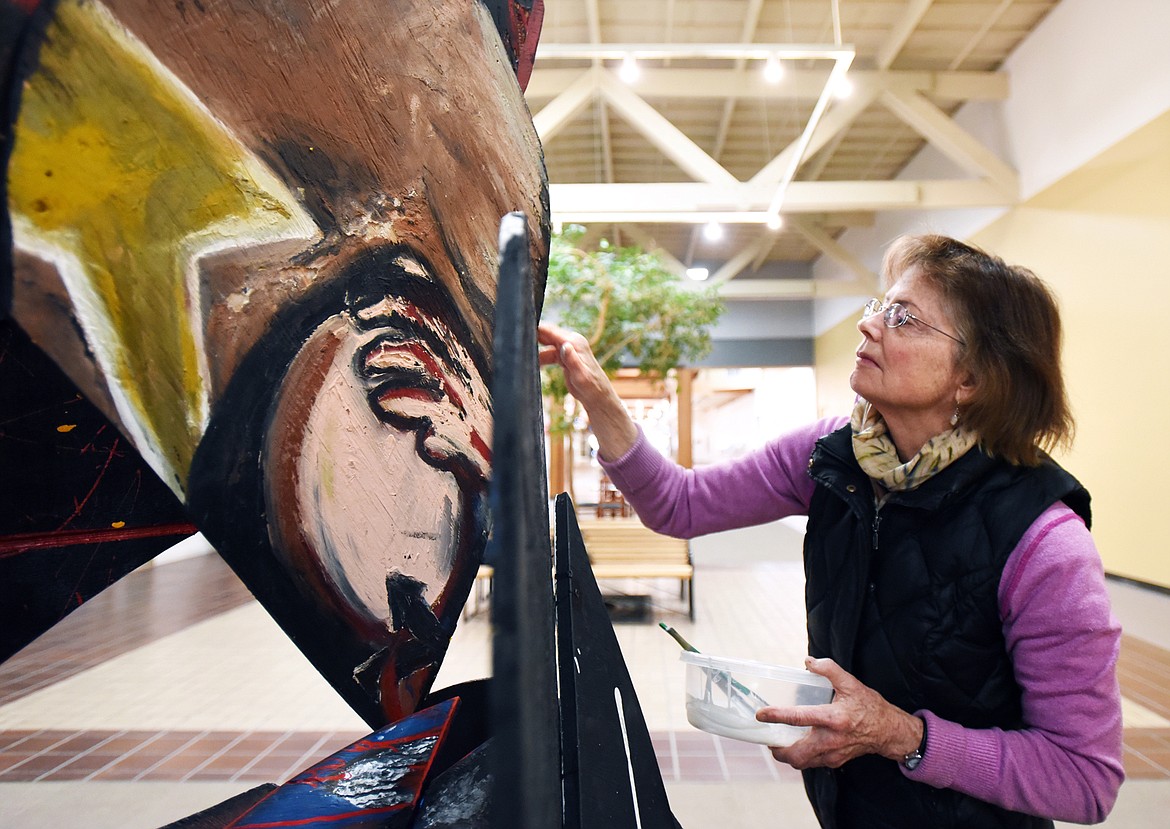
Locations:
{"points": [[910, 371]]}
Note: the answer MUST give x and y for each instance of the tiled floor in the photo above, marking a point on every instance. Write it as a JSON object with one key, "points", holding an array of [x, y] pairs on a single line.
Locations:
{"points": [[174, 686]]}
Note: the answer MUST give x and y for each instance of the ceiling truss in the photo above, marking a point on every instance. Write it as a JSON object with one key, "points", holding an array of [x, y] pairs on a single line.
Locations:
{"points": [[692, 102]]}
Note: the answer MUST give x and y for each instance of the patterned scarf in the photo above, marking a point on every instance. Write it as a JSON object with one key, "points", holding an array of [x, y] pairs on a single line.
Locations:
{"points": [[878, 458]]}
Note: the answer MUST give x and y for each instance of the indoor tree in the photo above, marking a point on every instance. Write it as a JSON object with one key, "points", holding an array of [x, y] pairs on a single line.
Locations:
{"points": [[634, 310]]}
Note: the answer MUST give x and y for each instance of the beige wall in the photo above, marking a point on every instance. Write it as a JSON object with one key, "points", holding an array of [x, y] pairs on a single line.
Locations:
{"points": [[1101, 238], [833, 353]]}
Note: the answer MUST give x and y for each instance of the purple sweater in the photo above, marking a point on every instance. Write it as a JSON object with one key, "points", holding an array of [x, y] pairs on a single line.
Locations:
{"points": [[1061, 635]]}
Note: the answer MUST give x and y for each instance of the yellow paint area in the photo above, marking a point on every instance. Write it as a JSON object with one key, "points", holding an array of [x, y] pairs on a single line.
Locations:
{"points": [[119, 169]]}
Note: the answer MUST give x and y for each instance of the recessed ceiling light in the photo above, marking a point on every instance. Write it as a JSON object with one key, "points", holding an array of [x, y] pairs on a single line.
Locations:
{"points": [[630, 70], [773, 71]]}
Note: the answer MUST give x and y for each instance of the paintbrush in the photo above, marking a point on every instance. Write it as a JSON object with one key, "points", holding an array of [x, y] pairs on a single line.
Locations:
{"points": [[686, 646], [721, 677]]}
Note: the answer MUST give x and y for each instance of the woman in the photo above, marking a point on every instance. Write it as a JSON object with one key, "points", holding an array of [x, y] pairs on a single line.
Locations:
{"points": [[954, 595]]}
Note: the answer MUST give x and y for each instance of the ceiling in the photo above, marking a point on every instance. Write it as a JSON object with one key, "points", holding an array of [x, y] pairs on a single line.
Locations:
{"points": [[702, 135]]}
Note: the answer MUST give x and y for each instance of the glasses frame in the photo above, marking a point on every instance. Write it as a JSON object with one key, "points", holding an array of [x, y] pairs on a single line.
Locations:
{"points": [[897, 309]]}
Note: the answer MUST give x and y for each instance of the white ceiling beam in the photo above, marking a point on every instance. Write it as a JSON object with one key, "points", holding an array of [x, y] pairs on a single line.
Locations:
{"points": [[547, 51], [649, 243], [606, 141], [593, 21], [770, 238], [827, 245], [661, 133], [976, 38], [669, 18], [547, 83], [751, 20], [801, 151], [736, 264], [694, 202], [952, 140], [692, 243], [938, 194], [834, 122], [566, 106], [888, 52], [813, 170], [792, 288]]}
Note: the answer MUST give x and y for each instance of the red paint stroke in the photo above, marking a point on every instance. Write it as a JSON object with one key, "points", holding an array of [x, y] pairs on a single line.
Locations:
{"points": [[321, 819], [525, 33], [78, 507], [407, 393], [11, 545], [429, 362], [26, 6], [481, 446]]}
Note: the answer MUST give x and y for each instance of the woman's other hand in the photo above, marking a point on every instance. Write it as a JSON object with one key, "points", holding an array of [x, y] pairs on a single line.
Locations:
{"points": [[858, 721], [590, 386]]}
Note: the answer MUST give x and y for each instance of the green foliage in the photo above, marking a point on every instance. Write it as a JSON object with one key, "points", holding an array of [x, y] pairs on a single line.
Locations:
{"points": [[629, 305]]}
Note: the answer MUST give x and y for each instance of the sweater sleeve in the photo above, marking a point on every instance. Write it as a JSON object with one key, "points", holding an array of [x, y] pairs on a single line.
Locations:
{"points": [[764, 485], [1065, 763]]}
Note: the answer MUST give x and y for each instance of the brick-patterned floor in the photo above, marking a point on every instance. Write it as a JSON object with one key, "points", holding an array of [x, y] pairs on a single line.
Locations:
{"points": [[172, 601], [147, 605], [1144, 673], [182, 756]]}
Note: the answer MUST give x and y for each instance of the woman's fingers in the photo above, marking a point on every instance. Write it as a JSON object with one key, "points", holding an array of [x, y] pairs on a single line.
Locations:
{"points": [[587, 381], [842, 680], [858, 721], [583, 375]]}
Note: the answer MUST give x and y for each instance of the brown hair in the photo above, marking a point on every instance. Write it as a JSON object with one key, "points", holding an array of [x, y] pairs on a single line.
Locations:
{"points": [[1009, 323]]}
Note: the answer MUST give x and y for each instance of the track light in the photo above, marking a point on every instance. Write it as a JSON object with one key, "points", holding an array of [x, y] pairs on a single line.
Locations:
{"points": [[698, 274], [712, 231]]}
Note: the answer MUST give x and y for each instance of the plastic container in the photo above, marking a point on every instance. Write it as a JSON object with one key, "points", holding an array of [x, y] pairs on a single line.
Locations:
{"points": [[723, 696]]}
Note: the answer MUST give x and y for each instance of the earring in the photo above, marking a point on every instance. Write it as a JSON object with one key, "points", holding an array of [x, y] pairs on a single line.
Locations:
{"points": [[955, 417]]}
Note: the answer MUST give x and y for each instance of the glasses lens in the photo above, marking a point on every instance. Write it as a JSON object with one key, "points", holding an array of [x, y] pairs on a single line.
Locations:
{"points": [[896, 315], [871, 308]]}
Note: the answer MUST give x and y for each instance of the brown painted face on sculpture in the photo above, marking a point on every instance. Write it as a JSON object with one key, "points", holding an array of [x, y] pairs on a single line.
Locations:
{"points": [[383, 419], [269, 230]]}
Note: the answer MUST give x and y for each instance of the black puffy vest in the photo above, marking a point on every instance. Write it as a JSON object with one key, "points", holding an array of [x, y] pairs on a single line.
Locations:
{"points": [[905, 598]]}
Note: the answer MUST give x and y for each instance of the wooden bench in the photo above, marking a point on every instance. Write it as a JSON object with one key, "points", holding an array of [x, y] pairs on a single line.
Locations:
{"points": [[619, 549], [481, 592], [626, 549]]}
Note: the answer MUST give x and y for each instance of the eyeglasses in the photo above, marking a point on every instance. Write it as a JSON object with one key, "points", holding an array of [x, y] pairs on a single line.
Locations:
{"points": [[895, 315]]}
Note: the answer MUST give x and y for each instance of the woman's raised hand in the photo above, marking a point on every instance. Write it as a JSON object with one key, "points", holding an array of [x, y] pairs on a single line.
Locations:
{"points": [[590, 386], [586, 380]]}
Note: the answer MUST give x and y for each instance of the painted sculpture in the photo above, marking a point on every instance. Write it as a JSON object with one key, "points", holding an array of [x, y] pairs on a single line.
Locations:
{"points": [[251, 289], [260, 238]]}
